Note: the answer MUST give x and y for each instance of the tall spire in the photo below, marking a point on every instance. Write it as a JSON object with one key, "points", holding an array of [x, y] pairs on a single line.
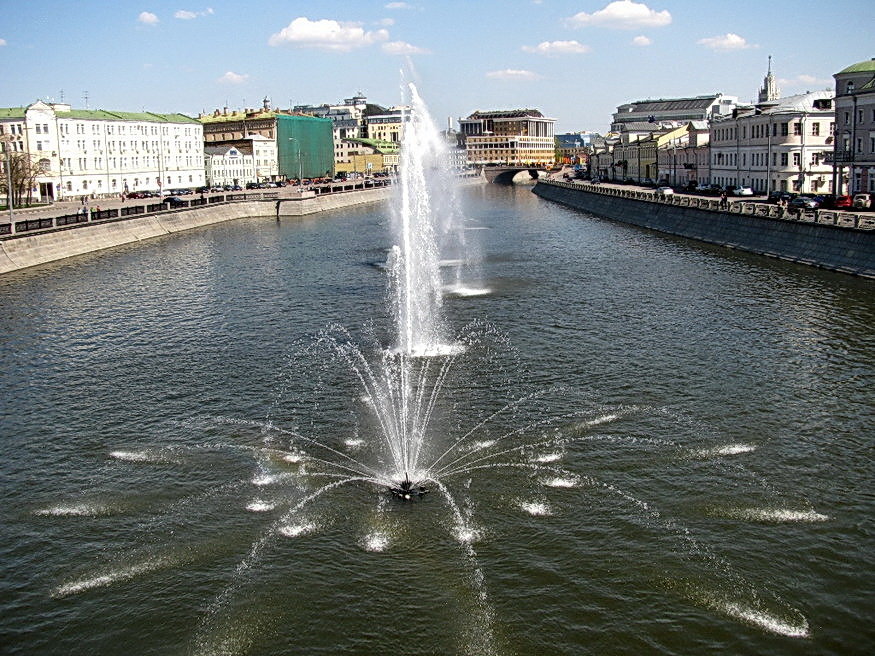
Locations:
{"points": [[769, 90]]}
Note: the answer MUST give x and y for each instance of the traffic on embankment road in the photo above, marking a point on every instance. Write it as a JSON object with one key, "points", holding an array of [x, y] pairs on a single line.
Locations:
{"points": [[862, 204], [97, 207]]}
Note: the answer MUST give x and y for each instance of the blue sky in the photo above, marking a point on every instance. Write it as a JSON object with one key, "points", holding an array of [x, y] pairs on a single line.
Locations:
{"points": [[575, 60]]}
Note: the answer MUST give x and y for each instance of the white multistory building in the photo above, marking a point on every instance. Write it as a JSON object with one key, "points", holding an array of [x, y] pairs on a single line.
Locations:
{"points": [[253, 159], [99, 153], [780, 144]]}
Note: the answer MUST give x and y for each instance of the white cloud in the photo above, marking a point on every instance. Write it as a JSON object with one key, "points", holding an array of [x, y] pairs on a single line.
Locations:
{"points": [[622, 15], [403, 48], [398, 5], [558, 48], [147, 18], [386, 22], [233, 78], [807, 81], [2, 42], [727, 41], [326, 34], [184, 14], [512, 74], [641, 41]]}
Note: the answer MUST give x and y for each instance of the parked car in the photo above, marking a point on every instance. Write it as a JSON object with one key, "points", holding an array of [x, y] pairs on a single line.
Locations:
{"points": [[862, 201], [664, 191], [803, 203], [742, 191], [831, 201], [174, 201], [778, 196], [648, 183]]}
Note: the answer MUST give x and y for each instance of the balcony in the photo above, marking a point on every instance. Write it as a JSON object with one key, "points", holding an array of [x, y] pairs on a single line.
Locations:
{"points": [[840, 156]]}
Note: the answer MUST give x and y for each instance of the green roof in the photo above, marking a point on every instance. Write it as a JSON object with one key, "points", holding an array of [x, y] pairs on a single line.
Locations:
{"points": [[12, 112], [378, 144], [867, 66], [105, 115]]}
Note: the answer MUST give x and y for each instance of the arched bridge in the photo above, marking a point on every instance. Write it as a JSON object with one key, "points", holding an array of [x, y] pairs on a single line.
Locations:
{"points": [[507, 175]]}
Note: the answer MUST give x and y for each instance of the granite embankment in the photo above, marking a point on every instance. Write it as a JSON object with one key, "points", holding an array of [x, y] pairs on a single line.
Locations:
{"points": [[838, 241], [27, 250]]}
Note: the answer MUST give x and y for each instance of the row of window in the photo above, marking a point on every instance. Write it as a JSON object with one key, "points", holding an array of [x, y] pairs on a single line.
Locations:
{"points": [[762, 159], [761, 130]]}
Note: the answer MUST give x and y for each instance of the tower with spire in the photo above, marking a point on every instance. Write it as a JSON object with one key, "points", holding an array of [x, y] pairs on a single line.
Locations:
{"points": [[769, 91]]}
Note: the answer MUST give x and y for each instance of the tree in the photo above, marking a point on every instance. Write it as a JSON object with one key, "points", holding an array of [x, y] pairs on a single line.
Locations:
{"points": [[25, 171]]}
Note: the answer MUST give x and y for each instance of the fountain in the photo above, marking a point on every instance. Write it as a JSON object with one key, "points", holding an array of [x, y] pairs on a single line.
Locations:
{"points": [[404, 439]]}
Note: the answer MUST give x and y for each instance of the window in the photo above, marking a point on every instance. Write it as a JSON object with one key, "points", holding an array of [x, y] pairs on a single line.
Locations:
{"points": [[783, 159], [784, 129], [797, 159], [815, 129], [797, 129], [39, 129], [850, 87]]}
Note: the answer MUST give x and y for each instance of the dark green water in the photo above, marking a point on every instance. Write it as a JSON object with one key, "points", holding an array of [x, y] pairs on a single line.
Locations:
{"points": [[704, 484]]}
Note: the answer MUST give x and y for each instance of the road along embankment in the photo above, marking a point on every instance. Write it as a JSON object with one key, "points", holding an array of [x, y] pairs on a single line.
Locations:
{"points": [[837, 241], [27, 250]]}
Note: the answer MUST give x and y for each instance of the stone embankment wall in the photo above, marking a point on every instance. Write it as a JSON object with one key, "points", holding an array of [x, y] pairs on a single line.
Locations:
{"points": [[838, 241], [29, 250]]}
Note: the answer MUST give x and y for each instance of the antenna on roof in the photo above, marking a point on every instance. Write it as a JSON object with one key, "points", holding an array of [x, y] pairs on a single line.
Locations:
{"points": [[62, 96], [85, 98]]}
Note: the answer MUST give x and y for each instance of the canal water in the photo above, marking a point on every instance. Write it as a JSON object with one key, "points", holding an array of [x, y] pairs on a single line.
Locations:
{"points": [[669, 448]]}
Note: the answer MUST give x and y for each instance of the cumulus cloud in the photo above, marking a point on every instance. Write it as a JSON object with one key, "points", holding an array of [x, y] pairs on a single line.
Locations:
{"points": [[403, 48], [398, 5], [2, 42], [147, 18], [727, 41], [233, 78], [558, 48], [326, 34], [512, 74], [184, 14], [806, 81], [622, 15], [641, 41]]}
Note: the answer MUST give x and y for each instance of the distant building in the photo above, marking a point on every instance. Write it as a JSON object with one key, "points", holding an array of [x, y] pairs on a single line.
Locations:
{"points": [[854, 156], [304, 144], [574, 149], [685, 157], [644, 116], [253, 159], [388, 126], [520, 137], [99, 153], [369, 156], [779, 145]]}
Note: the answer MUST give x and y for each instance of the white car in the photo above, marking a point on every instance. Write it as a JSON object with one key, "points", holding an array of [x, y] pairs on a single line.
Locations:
{"points": [[664, 191], [862, 201], [742, 191]]}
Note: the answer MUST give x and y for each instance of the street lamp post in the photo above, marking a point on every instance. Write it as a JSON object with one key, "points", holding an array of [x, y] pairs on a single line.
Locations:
{"points": [[6, 139]]}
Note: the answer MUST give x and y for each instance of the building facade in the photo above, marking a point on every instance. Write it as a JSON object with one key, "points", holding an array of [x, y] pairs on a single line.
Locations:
{"points": [[521, 137], [98, 153], [253, 159], [685, 157], [304, 144], [854, 154], [780, 145]]}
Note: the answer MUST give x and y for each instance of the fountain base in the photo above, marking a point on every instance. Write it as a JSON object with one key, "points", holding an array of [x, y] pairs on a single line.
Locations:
{"points": [[407, 491]]}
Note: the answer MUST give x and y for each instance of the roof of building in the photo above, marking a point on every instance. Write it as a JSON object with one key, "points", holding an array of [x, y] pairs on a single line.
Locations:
{"points": [[867, 66], [670, 104], [388, 147], [255, 115], [12, 112], [107, 115], [243, 149], [507, 113]]}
